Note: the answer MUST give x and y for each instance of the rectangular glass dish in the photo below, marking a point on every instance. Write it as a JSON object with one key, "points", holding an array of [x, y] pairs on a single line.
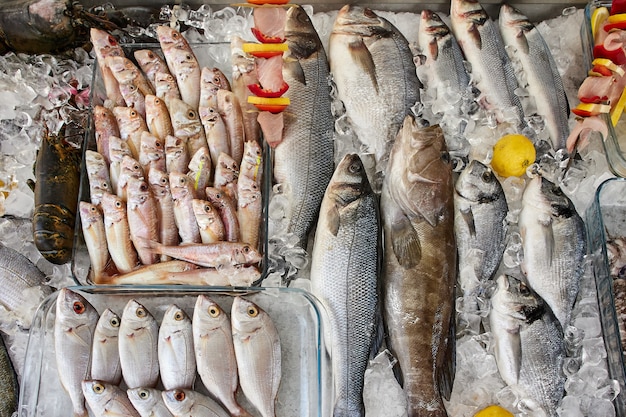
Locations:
{"points": [[615, 142], [211, 55], [295, 314], [606, 221]]}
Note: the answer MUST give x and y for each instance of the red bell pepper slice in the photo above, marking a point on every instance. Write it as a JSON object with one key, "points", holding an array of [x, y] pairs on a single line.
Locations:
{"points": [[618, 6], [257, 90], [263, 38], [616, 55]]}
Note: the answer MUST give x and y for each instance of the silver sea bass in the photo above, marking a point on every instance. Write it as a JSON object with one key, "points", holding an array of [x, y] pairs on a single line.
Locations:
{"points": [[344, 276], [258, 354], [528, 344], [74, 327], [554, 244], [419, 266], [542, 76], [492, 71], [373, 70], [480, 225], [303, 161]]}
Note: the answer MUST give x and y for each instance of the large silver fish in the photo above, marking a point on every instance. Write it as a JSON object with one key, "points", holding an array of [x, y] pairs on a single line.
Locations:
{"points": [[177, 361], [17, 275], [345, 262], [187, 403], [148, 402], [257, 349], [74, 327], [554, 244], [105, 357], [528, 343], [212, 333], [373, 69], [542, 76], [138, 344], [419, 267], [107, 400], [303, 161], [492, 71], [480, 226]]}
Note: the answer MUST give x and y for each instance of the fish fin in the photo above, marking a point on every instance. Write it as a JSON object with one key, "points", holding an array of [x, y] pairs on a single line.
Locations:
{"points": [[474, 34], [364, 60], [295, 69], [446, 372], [468, 217], [333, 221], [405, 242]]}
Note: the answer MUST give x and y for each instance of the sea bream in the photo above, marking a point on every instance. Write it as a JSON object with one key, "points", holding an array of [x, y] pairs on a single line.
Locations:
{"points": [[543, 81], [303, 161], [212, 333], [492, 71], [373, 70], [346, 261], [554, 244], [528, 345], [74, 326], [480, 225], [105, 358], [148, 402], [419, 266], [177, 360]]}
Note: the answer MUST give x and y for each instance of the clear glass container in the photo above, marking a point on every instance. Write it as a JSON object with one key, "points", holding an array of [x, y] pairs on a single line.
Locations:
{"points": [[615, 142], [296, 314], [209, 55], [605, 220]]}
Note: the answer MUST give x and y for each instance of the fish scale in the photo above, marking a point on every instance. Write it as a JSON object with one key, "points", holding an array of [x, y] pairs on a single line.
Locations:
{"points": [[344, 276], [303, 161]]}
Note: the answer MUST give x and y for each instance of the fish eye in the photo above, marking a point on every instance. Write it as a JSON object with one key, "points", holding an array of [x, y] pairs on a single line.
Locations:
{"points": [[98, 388], [115, 322], [141, 312], [150, 54], [208, 208], [93, 209], [252, 311], [214, 311], [112, 40], [157, 144], [246, 249], [523, 289], [191, 114], [118, 204], [133, 113], [175, 35], [487, 176], [78, 307], [179, 316], [143, 187], [144, 394], [179, 395], [445, 157], [355, 168]]}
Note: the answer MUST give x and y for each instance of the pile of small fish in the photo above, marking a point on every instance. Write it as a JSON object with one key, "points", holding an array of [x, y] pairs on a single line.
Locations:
{"points": [[174, 165], [100, 354], [616, 253]]}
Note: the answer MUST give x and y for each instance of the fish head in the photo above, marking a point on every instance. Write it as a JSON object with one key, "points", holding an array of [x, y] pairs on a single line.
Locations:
{"points": [[98, 392], [547, 198], [477, 183], [145, 56], [247, 317], [200, 160], [419, 169], [430, 33], [131, 167], [102, 39], [89, 213], [109, 324], [204, 209], [214, 78], [113, 206], [170, 37], [208, 315], [516, 299], [301, 35], [349, 181], [138, 191], [357, 20], [135, 316], [143, 399], [209, 114], [118, 148], [128, 118], [155, 106], [175, 315], [149, 142], [74, 310], [179, 401]]}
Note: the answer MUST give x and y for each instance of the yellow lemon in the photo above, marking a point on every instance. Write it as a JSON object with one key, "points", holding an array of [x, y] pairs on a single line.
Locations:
{"points": [[512, 154], [493, 411], [598, 17]]}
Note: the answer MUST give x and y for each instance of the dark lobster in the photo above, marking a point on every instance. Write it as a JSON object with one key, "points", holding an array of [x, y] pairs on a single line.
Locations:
{"points": [[57, 174]]}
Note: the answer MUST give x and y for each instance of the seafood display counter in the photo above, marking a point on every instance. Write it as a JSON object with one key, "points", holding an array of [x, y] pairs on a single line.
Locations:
{"points": [[423, 237]]}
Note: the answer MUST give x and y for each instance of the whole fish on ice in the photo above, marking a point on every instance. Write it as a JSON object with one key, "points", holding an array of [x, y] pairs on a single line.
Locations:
{"points": [[542, 76], [105, 356], [528, 344], [373, 70], [492, 70], [554, 244], [177, 362], [303, 161], [419, 267], [346, 261]]}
